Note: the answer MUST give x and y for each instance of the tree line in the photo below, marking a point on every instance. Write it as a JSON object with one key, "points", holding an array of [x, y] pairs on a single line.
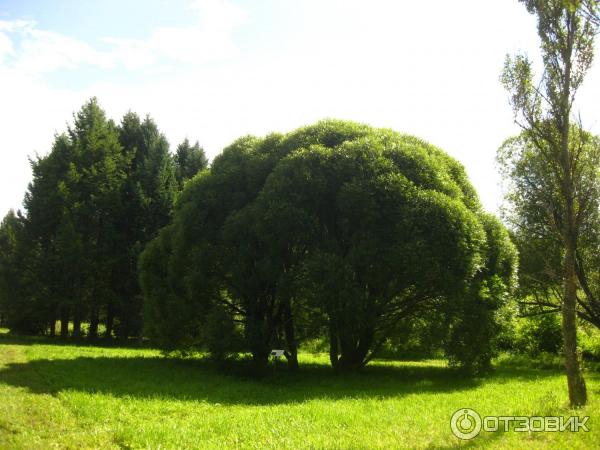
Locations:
{"points": [[336, 231], [101, 193]]}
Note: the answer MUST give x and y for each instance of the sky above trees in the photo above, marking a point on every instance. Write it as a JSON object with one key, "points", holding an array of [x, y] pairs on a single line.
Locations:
{"points": [[213, 70]]}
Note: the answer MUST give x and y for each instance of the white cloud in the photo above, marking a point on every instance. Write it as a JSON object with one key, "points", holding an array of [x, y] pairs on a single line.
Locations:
{"points": [[16, 25], [45, 51], [6, 47], [33, 51], [424, 68], [41, 51], [209, 39]]}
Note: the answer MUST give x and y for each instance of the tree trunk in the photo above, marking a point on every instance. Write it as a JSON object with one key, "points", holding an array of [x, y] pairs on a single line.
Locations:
{"points": [[575, 380], [123, 328], [349, 353], [290, 338], [261, 360], [53, 326], [352, 359], [64, 323], [260, 355], [110, 320], [333, 347], [94, 320], [77, 323], [259, 332], [260, 342]]}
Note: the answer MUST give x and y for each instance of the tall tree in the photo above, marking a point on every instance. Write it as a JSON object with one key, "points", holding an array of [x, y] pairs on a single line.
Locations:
{"points": [[189, 160], [48, 203], [567, 29], [101, 172], [72, 205], [146, 201], [18, 311]]}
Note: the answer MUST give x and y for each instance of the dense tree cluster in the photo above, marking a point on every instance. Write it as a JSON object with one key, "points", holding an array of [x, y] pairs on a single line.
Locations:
{"points": [[337, 230], [96, 199]]}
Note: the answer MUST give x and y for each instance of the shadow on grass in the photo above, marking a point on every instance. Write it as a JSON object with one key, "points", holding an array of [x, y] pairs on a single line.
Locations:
{"points": [[197, 380]]}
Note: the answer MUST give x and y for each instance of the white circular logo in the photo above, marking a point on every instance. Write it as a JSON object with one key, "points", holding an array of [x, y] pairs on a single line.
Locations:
{"points": [[465, 423]]}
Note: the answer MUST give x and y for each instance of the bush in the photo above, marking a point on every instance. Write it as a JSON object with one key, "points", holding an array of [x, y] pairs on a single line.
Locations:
{"points": [[220, 336], [415, 339], [589, 342], [471, 343], [538, 334]]}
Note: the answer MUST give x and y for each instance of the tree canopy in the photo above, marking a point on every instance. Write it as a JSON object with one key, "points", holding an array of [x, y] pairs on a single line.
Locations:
{"points": [[337, 227]]}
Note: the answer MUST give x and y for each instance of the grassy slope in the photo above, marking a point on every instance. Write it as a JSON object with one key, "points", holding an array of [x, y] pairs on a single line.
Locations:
{"points": [[62, 396]]}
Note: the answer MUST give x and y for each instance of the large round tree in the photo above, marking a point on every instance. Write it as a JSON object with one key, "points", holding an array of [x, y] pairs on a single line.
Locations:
{"points": [[336, 227]]}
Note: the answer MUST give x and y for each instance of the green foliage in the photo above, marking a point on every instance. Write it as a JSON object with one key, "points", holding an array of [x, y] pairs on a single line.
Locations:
{"points": [[168, 319], [417, 338], [589, 340], [221, 337], [189, 160], [539, 334], [8, 253], [75, 198], [337, 229], [541, 249], [147, 200], [19, 309], [478, 313], [96, 198]]}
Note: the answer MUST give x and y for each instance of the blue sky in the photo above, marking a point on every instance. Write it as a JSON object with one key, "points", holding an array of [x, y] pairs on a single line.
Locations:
{"points": [[213, 70], [88, 20]]}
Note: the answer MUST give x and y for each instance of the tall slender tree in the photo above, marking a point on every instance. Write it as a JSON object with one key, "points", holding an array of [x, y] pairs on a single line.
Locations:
{"points": [[567, 29], [146, 201], [101, 168], [49, 204]]}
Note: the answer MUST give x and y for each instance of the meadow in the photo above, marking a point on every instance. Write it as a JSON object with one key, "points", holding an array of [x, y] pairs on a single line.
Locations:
{"points": [[63, 395]]}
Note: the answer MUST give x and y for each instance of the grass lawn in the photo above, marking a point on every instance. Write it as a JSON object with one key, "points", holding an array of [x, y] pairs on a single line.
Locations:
{"points": [[67, 396]]}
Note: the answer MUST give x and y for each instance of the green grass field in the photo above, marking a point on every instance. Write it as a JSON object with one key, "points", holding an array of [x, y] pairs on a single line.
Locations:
{"points": [[68, 396]]}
